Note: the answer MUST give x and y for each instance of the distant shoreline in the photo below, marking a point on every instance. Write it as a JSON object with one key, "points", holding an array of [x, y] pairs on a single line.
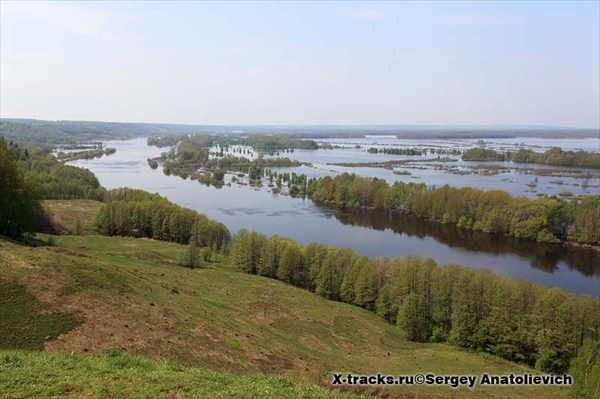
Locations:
{"points": [[75, 131]]}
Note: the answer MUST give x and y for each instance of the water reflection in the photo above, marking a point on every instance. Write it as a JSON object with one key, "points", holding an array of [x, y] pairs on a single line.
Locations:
{"points": [[372, 234], [545, 257]]}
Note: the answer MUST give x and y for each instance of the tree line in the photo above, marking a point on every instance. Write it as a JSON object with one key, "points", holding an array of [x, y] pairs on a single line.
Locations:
{"points": [[21, 211], [413, 151], [60, 181], [126, 212], [137, 213], [474, 309], [55, 179], [97, 152], [545, 219], [51, 133], [261, 142], [395, 151], [29, 175], [268, 142], [484, 154], [191, 158], [554, 156]]}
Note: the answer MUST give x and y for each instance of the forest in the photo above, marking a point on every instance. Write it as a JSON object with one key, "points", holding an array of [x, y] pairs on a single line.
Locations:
{"points": [[473, 309], [50, 133], [545, 219], [54, 179], [484, 154], [554, 156], [168, 140], [137, 213], [20, 197], [98, 152], [267, 143], [30, 176]]}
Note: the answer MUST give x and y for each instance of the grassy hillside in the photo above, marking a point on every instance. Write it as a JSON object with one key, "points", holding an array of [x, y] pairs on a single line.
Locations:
{"points": [[44, 374], [65, 216], [131, 295]]}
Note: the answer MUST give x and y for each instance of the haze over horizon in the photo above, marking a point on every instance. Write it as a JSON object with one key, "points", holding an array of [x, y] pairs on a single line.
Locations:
{"points": [[407, 63]]}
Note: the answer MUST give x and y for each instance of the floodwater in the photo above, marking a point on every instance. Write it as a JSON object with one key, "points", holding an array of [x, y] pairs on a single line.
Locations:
{"points": [[241, 206]]}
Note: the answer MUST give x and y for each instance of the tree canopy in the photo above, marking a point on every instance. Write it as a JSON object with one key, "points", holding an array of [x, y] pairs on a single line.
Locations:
{"points": [[545, 219], [20, 207], [474, 309]]}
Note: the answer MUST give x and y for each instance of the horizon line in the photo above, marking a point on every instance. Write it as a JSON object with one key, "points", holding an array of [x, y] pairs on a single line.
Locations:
{"points": [[374, 125]]}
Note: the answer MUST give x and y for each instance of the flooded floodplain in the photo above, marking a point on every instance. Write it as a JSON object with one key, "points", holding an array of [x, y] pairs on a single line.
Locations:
{"points": [[241, 206]]}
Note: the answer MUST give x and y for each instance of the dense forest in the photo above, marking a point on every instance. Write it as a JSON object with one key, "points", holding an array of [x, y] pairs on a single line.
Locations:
{"points": [[484, 154], [20, 195], [137, 213], [554, 156], [545, 219], [473, 309], [40, 132], [30, 174], [168, 140], [55, 179]]}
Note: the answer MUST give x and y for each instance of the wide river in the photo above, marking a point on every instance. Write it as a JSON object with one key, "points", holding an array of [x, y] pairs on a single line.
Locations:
{"points": [[369, 234]]}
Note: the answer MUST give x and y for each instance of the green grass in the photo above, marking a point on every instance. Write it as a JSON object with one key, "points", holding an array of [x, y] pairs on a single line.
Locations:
{"points": [[26, 321], [122, 291], [231, 342], [64, 215], [118, 375]]}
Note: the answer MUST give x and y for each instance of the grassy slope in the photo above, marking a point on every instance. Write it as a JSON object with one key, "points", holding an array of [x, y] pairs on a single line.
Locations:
{"points": [[131, 295], [118, 375], [64, 214], [128, 294]]}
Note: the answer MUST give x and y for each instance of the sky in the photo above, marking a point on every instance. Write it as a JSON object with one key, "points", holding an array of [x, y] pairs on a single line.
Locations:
{"points": [[471, 63]]}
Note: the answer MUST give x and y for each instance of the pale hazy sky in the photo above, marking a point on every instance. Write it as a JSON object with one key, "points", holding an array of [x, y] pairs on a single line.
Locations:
{"points": [[303, 63]]}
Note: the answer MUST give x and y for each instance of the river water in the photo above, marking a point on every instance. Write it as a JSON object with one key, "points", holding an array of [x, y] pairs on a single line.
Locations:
{"points": [[241, 206]]}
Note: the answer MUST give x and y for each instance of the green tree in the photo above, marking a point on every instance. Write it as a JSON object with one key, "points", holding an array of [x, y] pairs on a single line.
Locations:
{"points": [[443, 281], [313, 255], [77, 228], [332, 270], [218, 175], [585, 370], [20, 208], [246, 248], [471, 305], [368, 283], [192, 256], [413, 317], [347, 289], [291, 265], [556, 343]]}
